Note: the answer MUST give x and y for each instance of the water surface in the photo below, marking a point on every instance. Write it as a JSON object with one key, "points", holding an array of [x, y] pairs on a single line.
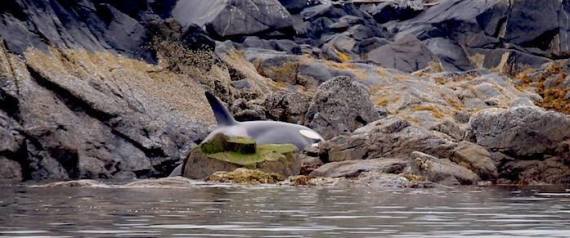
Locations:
{"points": [[228, 211]]}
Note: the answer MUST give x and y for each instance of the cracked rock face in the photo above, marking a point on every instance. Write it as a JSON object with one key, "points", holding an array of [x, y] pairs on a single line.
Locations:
{"points": [[521, 132], [227, 18], [75, 115]]}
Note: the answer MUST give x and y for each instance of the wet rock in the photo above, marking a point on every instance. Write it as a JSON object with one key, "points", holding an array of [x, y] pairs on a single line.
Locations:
{"points": [[536, 172], [340, 106], [383, 180], [245, 176], [82, 183], [475, 158], [10, 171], [353, 168], [168, 182], [441, 170], [407, 54], [521, 132], [230, 153], [309, 164], [233, 18]]}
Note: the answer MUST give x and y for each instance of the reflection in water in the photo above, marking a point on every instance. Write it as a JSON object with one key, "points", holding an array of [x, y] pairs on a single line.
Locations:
{"points": [[283, 212]]}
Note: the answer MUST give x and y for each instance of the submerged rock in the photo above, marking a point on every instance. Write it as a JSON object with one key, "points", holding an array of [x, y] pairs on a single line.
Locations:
{"points": [[224, 153]]}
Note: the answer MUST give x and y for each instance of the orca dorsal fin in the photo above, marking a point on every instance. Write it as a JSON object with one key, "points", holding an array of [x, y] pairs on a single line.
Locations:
{"points": [[221, 113]]}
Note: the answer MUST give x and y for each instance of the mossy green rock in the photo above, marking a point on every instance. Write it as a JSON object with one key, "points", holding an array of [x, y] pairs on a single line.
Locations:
{"points": [[224, 153]]}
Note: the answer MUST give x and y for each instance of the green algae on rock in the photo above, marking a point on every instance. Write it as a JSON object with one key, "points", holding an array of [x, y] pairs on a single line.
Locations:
{"points": [[224, 153]]}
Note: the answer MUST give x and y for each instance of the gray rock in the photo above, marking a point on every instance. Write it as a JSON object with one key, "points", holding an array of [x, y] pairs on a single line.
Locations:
{"points": [[475, 158], [407, 54], [226, 18], [10, 171], [340, 106], [79, 125], [287, 106], [90, 25], [391, 137], [354, 168], [521, 132], [441, 170], [451, 55]]}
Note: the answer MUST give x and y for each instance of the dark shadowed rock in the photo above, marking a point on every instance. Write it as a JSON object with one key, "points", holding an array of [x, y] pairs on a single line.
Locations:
{"points": [[340, 106], [10, 171], [392, 10], [296, 6], [452, 56], [407, 54]]}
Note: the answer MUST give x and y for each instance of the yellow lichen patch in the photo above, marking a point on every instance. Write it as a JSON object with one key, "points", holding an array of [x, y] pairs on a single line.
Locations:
{"points": [[455, 103], [344, 57], [554, 96], [286, 72], [78, 70], [435, 111], [245, 176]]}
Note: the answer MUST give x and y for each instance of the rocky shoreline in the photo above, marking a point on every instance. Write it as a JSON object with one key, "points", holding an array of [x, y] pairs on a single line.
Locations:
{"points": [[406, 93]]}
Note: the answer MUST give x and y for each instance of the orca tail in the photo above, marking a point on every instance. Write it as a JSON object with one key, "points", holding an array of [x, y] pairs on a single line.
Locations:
{"points": [[221, 113]]}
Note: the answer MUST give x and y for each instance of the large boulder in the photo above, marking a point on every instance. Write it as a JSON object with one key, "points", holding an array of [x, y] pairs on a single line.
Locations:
{"points": [[228, 18], [407, 54], [224, 153], [521, 132], [391, 137], [96, 115], [475, 158], [441, 170], [340, 106], [91, 25]]}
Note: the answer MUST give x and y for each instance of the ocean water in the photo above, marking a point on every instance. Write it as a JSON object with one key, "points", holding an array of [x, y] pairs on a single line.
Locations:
{"points": [[283, 211]]}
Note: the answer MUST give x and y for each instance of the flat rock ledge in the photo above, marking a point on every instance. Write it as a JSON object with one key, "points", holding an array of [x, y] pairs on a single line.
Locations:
{"points": [[228, 154]]}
